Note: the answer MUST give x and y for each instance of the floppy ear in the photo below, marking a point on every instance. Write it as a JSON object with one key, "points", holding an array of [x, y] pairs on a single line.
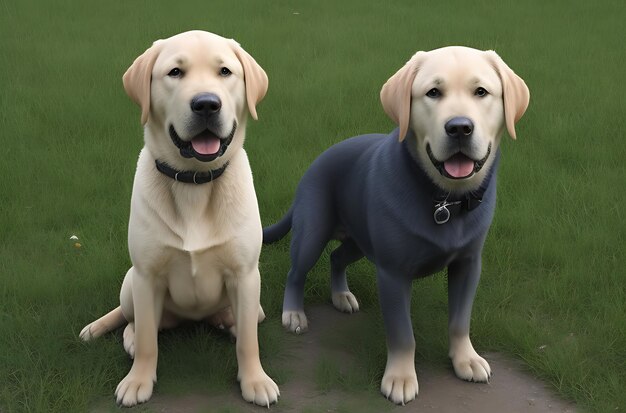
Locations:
{"points": [[137, 79], [254, 76], [515, 93], [396, 93]]}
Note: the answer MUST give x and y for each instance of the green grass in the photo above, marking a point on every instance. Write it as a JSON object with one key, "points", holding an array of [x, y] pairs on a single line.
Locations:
{"points": [[553, 263]]}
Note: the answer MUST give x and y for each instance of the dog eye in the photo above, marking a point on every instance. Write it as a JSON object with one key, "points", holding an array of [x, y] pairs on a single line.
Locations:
{"points": [[175, 72], [225, 72], [433, 93], [481, 92]]}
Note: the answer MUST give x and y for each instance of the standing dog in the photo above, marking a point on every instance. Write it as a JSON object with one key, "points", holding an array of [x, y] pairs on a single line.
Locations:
{"points": [[194, 234], [413, 202]]}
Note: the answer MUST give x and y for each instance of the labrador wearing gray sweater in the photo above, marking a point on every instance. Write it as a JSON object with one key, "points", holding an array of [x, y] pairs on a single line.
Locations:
{"points": [[414, 202]]}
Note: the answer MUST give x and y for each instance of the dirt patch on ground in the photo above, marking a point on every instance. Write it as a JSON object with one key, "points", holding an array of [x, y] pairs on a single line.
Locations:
{"points": [[511, 390]]}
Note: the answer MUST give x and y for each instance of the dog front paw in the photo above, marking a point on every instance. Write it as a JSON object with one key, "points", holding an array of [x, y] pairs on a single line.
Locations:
{"points": [[399, 387], [345, 302], [134, 388], [295, 321], [259, 389], [399, 382], [468, 365], [472, 368]]}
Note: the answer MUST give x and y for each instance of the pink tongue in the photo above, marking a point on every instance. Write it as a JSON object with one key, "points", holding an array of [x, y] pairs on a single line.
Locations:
{"points": [[459, 166], [206, 145]]}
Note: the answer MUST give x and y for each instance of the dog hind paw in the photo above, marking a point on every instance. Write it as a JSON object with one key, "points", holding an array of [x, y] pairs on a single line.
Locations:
{"points": [[223, 320], [92, 330], [345, 302], [295, 321], [129, 339]]}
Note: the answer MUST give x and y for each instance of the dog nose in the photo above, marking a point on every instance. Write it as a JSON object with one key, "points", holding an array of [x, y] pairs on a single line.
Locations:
{"points": [[206, 104], [459, 127]]}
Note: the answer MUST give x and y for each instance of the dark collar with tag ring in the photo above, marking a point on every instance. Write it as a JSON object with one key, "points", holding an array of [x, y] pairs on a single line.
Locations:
{"points": [[190, 177]]}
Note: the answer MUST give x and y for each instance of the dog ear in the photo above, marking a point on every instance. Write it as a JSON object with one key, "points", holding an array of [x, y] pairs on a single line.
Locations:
{"points": [[254, 76], [515, 93], [396, 93], [137, 79]]}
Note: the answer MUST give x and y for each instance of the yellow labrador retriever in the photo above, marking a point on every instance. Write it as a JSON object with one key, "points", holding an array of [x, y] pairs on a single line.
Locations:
{"points": [[194, 234]]}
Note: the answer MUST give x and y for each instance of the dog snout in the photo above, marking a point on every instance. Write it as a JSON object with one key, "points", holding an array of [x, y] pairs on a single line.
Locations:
{"points": [[459, 127], [206, 104]]}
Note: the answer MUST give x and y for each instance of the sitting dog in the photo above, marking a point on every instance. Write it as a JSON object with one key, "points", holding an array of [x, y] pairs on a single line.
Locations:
{"points": [[413, 202], [194, 234]]}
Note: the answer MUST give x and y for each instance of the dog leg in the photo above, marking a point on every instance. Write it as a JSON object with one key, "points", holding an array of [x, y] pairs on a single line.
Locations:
{"points": [[168, 320], [399, 382], [347, 253], [308, 240], [137, 386], [244, 295], [463, 277]]}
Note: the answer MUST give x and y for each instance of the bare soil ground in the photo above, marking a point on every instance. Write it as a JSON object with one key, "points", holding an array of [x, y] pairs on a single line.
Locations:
{"points": [[511, 389]]}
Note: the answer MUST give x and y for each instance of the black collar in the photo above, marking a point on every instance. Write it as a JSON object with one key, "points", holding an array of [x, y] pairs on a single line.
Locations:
{"points": [[190, 177], [445, 205]]}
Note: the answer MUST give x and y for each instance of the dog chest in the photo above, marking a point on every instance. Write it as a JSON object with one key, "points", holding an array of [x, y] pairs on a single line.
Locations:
{"points": [[427, 261], [196, 283], [424, 249]]}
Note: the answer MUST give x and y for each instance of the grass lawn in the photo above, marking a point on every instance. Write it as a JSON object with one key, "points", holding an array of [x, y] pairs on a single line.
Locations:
{"points": [[553, 291]]}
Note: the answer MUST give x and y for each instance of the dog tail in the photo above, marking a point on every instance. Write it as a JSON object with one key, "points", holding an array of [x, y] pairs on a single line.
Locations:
{"points": [[277, 231]]}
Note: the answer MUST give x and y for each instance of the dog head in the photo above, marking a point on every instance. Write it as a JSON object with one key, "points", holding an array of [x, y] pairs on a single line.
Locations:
{"points": [[195, 90], [456, 102]]}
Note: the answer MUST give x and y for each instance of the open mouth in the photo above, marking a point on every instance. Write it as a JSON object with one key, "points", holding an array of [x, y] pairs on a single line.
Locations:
{"points": [[205, 146], [459, 165]]}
